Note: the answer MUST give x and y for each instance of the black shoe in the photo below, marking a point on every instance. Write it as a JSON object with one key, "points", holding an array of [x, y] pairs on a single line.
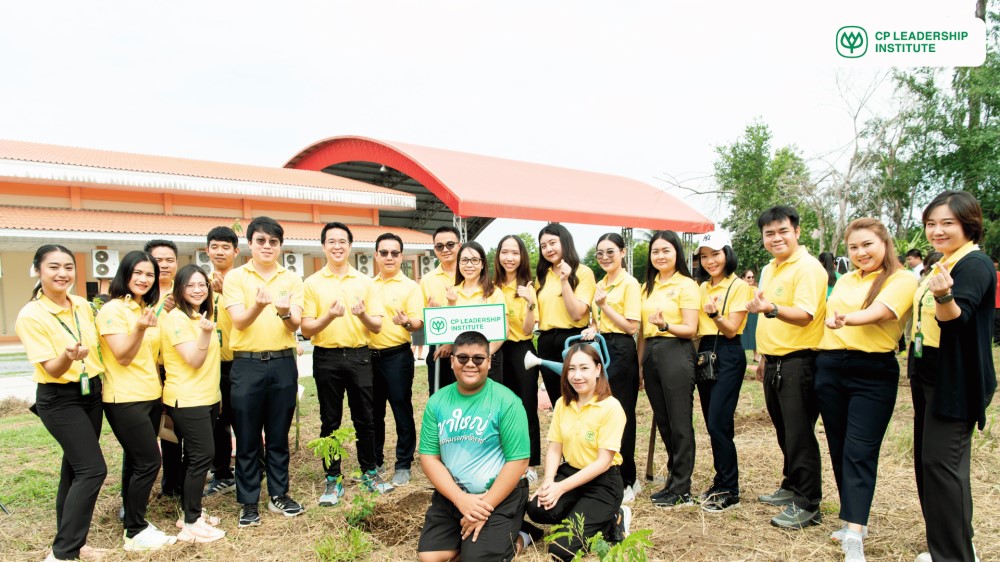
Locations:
{"points": [[794, 517], [658, 495], [249, 515], [781, 497], [621, 524], [720, 502], [670, 501], [707, 494], [285, 505]]}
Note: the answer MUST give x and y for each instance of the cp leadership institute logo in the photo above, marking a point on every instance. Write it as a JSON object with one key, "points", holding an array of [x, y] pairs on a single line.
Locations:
{"points": [[438, 326], [852, 41]]}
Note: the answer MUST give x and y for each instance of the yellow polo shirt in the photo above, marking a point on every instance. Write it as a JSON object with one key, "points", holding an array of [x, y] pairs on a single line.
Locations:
{"points": [[552, 311], [584, 430], [224, 326], [799, 281], [435, 284], [624, 297], [740, 294], [322, 288], [924, 308], [268, 331], [670, 296], [44, 338], [475, 296], [849, 294], [186, 386], [399, 292], [140, 380], [517, 310]]}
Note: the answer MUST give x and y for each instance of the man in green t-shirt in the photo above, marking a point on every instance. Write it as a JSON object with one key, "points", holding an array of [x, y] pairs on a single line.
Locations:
{"points": [[474, 449]]}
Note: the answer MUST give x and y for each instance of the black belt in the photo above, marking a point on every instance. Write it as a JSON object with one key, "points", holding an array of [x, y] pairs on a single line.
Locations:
{"points": [[800, 354], [390, 351], [263, 355]]}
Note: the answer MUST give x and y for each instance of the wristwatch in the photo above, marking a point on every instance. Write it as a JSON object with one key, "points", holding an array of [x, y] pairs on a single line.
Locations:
{"points": [[666, 327], [712, 314], [531, 306], [407, 324], [944, 299], [284, 316], [773, 313]]}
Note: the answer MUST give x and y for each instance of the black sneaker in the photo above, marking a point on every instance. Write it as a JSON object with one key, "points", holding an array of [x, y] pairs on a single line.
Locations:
{"points": [[707, 494], [720, 502], [220, 486], [621, 524], [657, 495], [249, 515], [670, 501], [284, 504]]}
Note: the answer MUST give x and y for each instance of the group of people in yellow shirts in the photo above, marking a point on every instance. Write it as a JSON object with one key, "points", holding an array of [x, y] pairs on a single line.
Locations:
{"points": [[820, 356]]}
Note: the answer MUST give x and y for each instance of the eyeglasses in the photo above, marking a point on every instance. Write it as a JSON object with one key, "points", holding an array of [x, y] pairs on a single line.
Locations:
{"points": [[334, 243], [602, 253], [441, 246], [470, 261], [272, 242], [387, 253], [463, 358], [194, 286], [748, 276]]}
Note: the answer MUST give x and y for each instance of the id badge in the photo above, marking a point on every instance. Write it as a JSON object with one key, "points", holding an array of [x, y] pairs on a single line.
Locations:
{"points": [[220, 337], [84, 384], [918, 345]]}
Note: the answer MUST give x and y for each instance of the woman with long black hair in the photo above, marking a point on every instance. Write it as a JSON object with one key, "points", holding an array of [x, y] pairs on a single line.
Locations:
{"points": [[512, 274], [616, 313], [130, 342], [951, 370], [721, 321], [565, 290], [670, 304], [192, 361], [59, 338]]}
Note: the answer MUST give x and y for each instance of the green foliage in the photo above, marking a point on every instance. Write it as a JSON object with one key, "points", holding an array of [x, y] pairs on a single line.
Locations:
{"points": [[362, 506], [631, 549], [349, 543], [332, 447]]}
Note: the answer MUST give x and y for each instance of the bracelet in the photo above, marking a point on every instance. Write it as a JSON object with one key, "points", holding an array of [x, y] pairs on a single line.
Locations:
{"points": [[944, 299]]}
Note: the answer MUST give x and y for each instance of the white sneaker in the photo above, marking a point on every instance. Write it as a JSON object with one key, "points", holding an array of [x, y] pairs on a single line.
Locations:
{"points": [[210, 519], [531, 475], [629, 495], [150, 538], [854, 550], [200, 532], [838, 535], [52, 558], [636, 488], [926, 556]]}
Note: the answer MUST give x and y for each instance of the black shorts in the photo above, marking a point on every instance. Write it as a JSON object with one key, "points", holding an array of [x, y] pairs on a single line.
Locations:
{"points": [[443, 529]]}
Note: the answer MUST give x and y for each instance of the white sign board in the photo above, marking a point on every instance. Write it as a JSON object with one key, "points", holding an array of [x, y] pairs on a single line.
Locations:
{"points": [[443, 324]]}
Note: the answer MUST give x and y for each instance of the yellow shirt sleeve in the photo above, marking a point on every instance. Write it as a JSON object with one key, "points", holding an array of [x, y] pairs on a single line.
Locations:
{"points": [[555, 431], [311, 305], [414, 304], [632, 305], [609, 435], [374, 304], [810, 291], [232, 289], [176, 330], [587, 285], [114, 319], [36, 339], [741, 294], [897, 293], [690, 295]]}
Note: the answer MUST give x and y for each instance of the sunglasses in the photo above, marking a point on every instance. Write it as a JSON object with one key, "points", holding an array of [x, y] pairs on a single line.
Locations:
{"points": [[387, 253], [463, 358], [440, 247]]}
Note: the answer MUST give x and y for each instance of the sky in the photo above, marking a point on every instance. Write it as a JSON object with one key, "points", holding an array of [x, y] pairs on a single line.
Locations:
{"points": [[645, 89]]}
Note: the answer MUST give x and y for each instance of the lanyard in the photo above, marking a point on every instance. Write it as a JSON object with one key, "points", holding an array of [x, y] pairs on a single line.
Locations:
{"points": [[607, 294], [78, 337], [920, 308]]}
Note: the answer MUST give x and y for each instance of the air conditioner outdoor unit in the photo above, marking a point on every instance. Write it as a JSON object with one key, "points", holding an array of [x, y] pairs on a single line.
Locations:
{"points": [[366, 264], [104, 263], [294, 263], [426, 265], [202, 260]]}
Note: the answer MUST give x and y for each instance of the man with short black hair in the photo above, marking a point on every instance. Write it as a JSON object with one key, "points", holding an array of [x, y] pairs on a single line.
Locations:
{"points": [[264, 301], [792, 306], [392, 363], [915, 262], [434, 286], [474, 448]]}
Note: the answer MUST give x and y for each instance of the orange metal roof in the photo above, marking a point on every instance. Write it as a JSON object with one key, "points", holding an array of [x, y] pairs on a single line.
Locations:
{"points": [[73, 156], [35, 218], [472, 185]]}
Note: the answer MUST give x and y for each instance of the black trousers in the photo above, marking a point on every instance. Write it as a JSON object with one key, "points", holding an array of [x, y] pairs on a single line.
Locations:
{"points": [[221, 434], [597, 501], [136, 425], [668, 370], [194, 426], [74, 421], [623, 377], [524, 383], [172, 474], [856, 393], [446, 375], [551, 344], [942, 449], [393, 374], [718, 405], [790, 396], [336, 371], [263, 398]]}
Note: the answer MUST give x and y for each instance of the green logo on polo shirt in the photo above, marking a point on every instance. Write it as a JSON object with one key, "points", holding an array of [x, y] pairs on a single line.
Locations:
{"points": [[590, 436]]}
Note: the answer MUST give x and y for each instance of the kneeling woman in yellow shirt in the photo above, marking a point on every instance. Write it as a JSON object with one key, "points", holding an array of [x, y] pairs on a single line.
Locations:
{"points": [[130, 342], [191, 359], [586, 430], [57, 331], [857, 374]]}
